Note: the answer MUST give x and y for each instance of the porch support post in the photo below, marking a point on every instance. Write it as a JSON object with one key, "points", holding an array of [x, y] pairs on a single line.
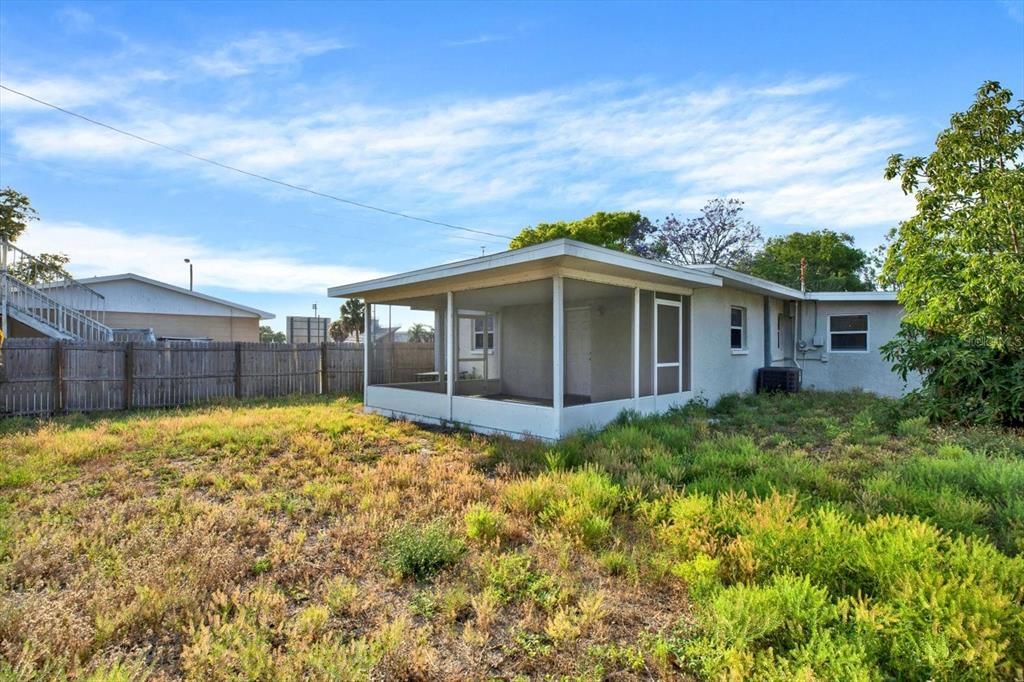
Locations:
{"points": [[449, 342], [557, 350], [367, 342], [439, 336], [635, 348]]}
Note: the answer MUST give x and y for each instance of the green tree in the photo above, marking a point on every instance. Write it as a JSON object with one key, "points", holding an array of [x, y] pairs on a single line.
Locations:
{"points": [[720, 235], [268, 335], [959, 263], [16, 213], [833, 262], [421, 333], [627, 231], [353, 314]]}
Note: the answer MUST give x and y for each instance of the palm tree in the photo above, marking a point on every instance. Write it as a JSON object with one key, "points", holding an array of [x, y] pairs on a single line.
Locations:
{"points": [[421, 333], [353, 314]]}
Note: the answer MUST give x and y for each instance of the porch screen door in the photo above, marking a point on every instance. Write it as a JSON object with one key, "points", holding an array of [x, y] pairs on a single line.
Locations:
{"points": [[668, 346]]}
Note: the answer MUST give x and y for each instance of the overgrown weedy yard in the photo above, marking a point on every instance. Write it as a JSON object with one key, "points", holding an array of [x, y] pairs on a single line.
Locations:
{"points": [[816, 536]]}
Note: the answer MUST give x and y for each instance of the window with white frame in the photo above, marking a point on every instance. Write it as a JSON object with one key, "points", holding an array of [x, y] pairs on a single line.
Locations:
{"points": [[737, 328], [483, 333], [848, 333], [778, 331]]}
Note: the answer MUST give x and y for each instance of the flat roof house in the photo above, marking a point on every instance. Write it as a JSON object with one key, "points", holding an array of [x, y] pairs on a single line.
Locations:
{"points": [[548, 339]]}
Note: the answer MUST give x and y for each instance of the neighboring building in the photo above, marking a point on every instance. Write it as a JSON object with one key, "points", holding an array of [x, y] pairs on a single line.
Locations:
{"points": [[561, 336], [135, 304], [307, 329]]}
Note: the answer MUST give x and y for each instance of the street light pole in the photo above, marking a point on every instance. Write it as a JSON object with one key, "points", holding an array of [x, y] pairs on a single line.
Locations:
{"points": [[189, 261]]}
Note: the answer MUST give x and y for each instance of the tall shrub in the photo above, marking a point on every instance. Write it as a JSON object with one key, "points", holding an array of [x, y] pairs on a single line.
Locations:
{"points": [[959, 264]]}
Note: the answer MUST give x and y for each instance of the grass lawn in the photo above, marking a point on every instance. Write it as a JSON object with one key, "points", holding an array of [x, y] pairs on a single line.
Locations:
{"points": [[817, 536]]}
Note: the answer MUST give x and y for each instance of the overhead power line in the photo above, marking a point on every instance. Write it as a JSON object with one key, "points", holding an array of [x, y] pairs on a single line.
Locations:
{"points": [[258, 176], [304, 228]]}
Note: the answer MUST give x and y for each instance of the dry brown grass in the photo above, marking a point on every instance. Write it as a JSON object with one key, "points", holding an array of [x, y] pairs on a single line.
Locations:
{"points": [[245, 542], [769, 538]]}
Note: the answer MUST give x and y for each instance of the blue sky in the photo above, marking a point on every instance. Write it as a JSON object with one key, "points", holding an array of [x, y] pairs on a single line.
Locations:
{"points": [[491, 116]]}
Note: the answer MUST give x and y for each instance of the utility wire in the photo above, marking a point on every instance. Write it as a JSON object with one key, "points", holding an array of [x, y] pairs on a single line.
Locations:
{"points": [[251, 174], [304, 228]]}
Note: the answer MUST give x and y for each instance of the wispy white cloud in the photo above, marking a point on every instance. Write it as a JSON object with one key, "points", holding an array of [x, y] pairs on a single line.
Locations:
{"points": [[481, 39], [263, 49], [797, 87], [73, 91], [104, 251], [797, 159]]}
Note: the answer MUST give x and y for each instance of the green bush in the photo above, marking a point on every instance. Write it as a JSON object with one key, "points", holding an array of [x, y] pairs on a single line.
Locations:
{"points": [[578, 503], [913, 427], [484, 523], [615, 562], [700, 575], [511, 578], [421, 551], [819, 593], [961, 381]]}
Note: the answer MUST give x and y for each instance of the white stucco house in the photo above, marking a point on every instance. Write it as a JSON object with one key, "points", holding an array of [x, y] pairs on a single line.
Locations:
{"points": [[561, 336]]}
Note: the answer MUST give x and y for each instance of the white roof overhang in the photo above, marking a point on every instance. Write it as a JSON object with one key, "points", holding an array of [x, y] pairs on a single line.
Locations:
{"points": [[562, 256]]}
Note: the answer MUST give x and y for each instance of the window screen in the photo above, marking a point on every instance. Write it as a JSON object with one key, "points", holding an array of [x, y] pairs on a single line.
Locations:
{"points": [[848, 332], [668, 334], [737, 328]]}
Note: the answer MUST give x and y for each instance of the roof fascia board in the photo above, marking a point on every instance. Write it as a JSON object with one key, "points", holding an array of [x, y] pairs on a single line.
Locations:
{"points": [[863, 296], [627, 260], [762, 285], [538, 252], [625, 282]]}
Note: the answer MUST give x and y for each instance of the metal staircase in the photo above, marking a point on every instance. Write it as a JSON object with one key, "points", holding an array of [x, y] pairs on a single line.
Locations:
{"points": [[63, 309]]}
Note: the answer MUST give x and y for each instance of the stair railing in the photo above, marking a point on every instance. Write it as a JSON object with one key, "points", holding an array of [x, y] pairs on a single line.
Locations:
{"points": [[23, 266], [61, 318]]}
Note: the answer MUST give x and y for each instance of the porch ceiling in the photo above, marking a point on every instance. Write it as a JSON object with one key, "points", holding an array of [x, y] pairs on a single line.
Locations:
{"points": [[425, 288]]}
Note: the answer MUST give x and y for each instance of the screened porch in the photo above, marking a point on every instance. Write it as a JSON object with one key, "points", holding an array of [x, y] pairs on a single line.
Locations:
{"points": [[541, 357]]}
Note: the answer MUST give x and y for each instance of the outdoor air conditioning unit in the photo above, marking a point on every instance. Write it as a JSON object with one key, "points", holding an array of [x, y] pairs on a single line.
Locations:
{"points": [[785, 379]]}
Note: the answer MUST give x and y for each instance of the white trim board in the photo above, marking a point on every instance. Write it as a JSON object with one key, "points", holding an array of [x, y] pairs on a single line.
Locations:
{"points": [[559, 248]]}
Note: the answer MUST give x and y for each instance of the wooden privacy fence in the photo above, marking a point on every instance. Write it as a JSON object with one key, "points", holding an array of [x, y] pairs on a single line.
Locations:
{"points": [[43, 376]]}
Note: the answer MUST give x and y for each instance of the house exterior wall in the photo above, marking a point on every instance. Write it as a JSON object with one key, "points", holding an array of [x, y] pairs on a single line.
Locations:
{"points": [[840, 371], [134, 296], [717, 369], [526, 357], [217, 328], [611, 342], [133, 303]]}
